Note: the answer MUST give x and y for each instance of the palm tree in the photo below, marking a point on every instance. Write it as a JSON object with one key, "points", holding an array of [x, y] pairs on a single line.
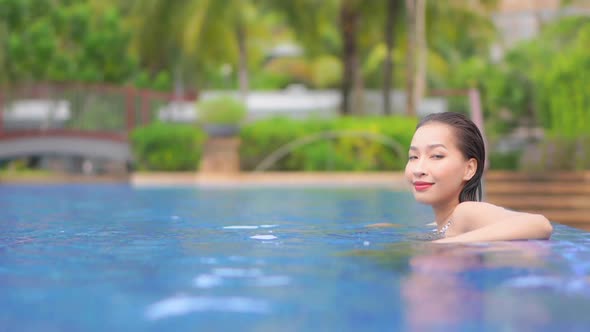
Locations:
{"points": [[352, 77], [392, 13], [436, 19], [351, 18], [191, 32], [414, 54]]}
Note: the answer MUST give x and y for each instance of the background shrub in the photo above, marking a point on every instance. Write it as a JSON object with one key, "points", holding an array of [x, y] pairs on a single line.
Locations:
{"points": [[348, 153], [221, 110], [167, 147]]}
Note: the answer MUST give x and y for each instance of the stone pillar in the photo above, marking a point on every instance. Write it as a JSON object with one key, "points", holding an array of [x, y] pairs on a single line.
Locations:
{"points": [[220, 155]]}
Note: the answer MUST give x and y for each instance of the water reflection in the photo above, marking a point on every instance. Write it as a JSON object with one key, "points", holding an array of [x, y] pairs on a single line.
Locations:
{"points": [[456, 287], [435, 292]]}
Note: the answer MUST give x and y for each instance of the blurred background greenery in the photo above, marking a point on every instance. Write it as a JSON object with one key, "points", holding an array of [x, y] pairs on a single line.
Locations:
{"points": [[528, 59]]}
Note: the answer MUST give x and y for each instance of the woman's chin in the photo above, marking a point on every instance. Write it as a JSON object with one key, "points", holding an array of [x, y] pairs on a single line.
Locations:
{"points": [[423, 198]]}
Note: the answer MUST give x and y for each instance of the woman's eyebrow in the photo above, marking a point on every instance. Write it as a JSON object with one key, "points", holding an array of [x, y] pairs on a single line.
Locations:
{"points": [[430, 146]]}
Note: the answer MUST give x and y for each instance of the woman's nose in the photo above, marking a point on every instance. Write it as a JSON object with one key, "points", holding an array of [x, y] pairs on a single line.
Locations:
{"points": [[418, 168]]}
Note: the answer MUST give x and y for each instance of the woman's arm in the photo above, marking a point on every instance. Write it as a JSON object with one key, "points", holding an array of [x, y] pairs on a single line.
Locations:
{"points": [[486, 222]]}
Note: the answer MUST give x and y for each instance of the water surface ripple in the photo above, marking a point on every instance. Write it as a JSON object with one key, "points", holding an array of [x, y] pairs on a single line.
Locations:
{"points": [[118, 258]]}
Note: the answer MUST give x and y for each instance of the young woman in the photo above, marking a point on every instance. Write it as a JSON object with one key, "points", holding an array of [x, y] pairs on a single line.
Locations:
{"points": [[445, 168]]}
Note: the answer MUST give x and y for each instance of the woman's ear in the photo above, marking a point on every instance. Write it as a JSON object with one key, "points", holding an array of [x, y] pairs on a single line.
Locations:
{"points": [[470, 169]]}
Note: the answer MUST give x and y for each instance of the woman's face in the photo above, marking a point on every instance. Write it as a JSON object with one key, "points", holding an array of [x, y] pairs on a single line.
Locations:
{"points": [[436, 168]]}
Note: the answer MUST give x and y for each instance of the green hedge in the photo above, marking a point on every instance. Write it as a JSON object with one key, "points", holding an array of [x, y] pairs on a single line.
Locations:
{"points": [[346, 153], [167, 147], [173, 147]]}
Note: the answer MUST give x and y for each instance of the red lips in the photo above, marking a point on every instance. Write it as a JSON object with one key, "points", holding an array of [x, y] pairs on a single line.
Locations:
{"points": [[421, 186]]}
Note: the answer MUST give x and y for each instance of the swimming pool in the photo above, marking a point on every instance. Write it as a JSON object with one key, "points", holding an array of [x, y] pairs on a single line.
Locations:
{"points": [[118, 258]]}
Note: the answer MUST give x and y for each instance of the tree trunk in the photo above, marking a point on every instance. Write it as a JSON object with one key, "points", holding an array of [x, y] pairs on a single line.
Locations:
{"points": [[421, 49], [358, 89], [388, 63], [410, 54], [351, 74], [242, 62], [178, 86]]}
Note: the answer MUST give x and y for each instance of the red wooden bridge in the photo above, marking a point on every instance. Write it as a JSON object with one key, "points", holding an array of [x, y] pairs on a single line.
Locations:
{"points": [[76, 119]]}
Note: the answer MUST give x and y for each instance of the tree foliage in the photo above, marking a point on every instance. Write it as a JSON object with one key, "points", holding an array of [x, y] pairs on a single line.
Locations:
{"points": [[540, 82], [155, 43], [63, 41], [196, 39]]}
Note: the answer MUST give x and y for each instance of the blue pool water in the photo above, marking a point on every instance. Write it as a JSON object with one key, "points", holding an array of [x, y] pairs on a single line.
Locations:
{"points": [[118, 258]]}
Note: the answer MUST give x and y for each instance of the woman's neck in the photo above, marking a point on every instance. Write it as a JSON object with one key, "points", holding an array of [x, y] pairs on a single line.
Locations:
{"points": [[443, 212]]}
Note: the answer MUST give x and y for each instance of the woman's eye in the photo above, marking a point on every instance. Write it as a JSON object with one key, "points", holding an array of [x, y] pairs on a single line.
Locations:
{"points": [[412, 157], [438, 156]]}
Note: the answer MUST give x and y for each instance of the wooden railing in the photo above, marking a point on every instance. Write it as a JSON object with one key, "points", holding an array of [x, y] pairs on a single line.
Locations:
{"points": [[562, 197], [135, 106]]}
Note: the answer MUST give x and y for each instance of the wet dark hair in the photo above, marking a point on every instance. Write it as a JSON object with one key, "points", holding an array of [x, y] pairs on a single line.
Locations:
{"points": [[470, 142]]}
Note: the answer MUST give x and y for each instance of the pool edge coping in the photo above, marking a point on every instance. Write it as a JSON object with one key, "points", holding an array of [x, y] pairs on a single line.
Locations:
{"points": [[388, 180]]}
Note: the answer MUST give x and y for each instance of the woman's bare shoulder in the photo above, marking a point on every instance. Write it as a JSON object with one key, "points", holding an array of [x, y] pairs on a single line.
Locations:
{"points": [[473, 215], [472, 209]]}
